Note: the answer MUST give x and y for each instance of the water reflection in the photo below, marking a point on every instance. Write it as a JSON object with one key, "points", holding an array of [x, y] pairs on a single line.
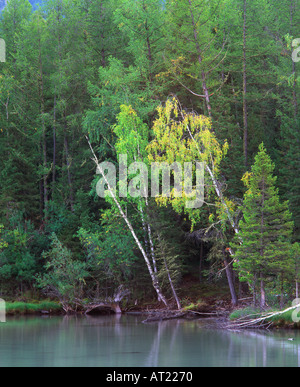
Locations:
{"points": [[120, 341]]}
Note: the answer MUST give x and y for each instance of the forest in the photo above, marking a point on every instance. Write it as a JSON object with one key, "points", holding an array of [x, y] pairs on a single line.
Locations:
{"points": [[86, 81]]}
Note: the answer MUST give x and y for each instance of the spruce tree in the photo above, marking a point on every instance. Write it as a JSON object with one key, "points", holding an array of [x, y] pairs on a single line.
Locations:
{"points": [[265, 231]]}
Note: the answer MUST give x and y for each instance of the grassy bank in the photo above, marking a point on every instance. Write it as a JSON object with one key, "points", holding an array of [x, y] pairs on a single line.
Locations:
{"points": [[285, 320], [24, 308]]}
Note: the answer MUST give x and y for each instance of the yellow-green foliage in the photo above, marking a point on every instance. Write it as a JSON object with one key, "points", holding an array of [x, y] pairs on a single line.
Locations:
{"points": [[3, 243], [195, 306], [184, 137]]}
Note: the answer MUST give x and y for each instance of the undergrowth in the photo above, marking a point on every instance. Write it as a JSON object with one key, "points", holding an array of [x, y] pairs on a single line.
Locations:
{"points": [[30, 308]]}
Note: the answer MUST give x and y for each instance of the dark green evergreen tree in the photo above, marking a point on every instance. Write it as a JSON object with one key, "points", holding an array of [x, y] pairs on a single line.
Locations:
{"points": [[265, 231]]}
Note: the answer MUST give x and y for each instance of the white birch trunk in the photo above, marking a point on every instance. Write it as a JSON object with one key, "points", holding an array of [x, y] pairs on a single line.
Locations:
{"points": [[152, 274]]}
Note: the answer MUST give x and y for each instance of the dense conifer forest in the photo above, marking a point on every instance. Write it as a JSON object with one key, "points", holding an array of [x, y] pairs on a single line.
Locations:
{"points": [[87, 81]]}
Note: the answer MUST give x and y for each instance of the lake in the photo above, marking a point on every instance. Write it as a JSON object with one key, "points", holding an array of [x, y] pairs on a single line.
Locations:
{"points": [[124, 341]]}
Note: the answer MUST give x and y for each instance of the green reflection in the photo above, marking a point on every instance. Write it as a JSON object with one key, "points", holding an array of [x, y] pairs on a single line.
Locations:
{"points": [[120, 341]]}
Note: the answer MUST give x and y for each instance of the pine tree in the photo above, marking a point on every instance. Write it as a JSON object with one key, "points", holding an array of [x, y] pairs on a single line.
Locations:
{"points": [[65, 276], [12, 18], [18, 164], [265, 230]]}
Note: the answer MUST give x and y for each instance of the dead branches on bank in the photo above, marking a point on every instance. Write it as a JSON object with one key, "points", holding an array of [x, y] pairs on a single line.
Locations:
{"points": [[163, 315], [263, 321]]}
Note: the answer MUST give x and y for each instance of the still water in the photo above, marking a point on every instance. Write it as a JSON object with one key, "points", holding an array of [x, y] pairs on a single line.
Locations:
{"points": [[124, 341]]}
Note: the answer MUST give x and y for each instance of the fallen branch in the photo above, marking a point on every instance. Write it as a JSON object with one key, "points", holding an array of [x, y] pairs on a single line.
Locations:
{"points": [[260, 322], [162, 316], [203, 313]]}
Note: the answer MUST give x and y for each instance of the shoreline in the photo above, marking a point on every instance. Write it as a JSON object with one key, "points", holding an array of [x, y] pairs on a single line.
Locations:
{"points": [[152, 315]]}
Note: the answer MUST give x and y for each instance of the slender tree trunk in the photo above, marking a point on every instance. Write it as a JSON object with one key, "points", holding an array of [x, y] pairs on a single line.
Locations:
{"points": [[43, 140], [229, 274], [281, 295], [220, 196], [148, 43], [240, 294], [67, 154], [145, 237], [151, 244], [103, 57], [254, 290], [153, 276], [199, 53], [235, 101], [201, 262], [172, 285], [148, 236], [205, 90], [41, 197], [151, 247], [148, 239], [295, 102], [262, 293], [169, 277], [54, 145], [245, 108], [217, 189], [262, 224], [45, 179]]}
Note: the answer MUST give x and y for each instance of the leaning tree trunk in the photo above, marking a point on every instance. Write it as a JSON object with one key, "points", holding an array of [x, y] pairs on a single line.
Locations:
{"points": [[148, 238], [170, 278], [229, 274], [172, 285], [217, 188], [153, 276]]}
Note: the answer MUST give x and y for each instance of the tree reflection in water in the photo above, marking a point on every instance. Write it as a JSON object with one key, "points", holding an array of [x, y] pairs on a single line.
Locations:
{"points": [[124, 341]]}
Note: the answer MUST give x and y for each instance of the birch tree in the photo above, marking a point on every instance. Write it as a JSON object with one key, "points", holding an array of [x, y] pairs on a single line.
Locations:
{"points": [[132, 140], [187, 137], [118, 204]]}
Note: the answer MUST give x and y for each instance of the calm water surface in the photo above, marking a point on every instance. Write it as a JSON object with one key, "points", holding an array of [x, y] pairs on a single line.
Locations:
{"points": [[124, 341]]}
